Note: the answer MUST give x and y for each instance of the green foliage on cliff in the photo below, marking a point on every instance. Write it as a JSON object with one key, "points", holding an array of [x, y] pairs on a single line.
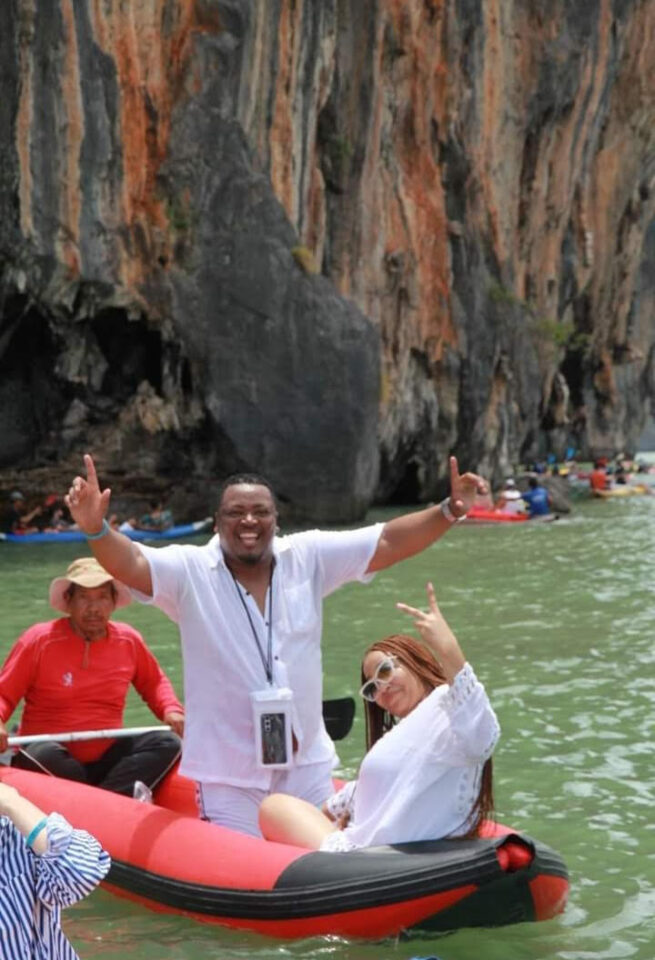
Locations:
{"points": [[178, 211], [500, 294], [561, 333]]}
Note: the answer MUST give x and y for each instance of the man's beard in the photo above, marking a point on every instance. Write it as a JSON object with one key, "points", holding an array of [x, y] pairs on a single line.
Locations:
{"points": [[249, 559]]}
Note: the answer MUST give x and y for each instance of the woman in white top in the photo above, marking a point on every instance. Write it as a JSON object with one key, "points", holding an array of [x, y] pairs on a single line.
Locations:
{"points": [[430, 734]]}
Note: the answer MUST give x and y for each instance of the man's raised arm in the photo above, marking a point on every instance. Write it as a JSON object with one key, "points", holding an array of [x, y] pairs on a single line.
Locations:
{"points": [[116, 553], [405, 536]]}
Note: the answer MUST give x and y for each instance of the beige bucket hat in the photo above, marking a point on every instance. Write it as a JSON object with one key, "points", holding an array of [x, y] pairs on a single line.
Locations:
{"points": [[85, 572]]}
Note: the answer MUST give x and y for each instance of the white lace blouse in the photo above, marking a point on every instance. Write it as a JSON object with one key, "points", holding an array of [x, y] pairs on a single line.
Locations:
{"points": [[421, 780]]}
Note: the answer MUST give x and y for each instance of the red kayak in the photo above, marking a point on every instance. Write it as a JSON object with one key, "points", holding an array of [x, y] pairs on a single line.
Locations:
{"points": [[489, 515], [164, 857]]}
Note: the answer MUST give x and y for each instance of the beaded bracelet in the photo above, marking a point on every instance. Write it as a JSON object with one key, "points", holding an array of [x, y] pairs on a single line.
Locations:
{"points": [[447, 512], [104, 530], [35, 831]]}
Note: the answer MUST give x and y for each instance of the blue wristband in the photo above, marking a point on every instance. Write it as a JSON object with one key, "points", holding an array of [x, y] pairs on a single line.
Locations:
{"points": [[35, 831], [104, 530]]}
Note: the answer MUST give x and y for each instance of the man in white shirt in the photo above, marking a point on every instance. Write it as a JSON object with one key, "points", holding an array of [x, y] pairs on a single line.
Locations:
{"points": [[249, 609]]}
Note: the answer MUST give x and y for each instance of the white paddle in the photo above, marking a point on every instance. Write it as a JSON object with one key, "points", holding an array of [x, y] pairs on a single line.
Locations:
{"points": [[338, 715], [78, 735]]}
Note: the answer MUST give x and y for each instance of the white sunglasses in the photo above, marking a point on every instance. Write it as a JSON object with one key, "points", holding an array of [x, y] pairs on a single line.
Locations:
{"points": [[380, 678]]}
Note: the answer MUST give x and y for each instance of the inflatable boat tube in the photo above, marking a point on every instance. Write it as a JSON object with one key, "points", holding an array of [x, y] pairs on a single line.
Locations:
{"points": [[165, 858], [76, 536], [484, 515]]}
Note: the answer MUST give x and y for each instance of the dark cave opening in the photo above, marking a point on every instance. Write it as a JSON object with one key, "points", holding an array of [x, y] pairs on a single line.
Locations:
{"points": [[186, 380], [133, 353], [32, 401], [572, 369], [408, 489]]}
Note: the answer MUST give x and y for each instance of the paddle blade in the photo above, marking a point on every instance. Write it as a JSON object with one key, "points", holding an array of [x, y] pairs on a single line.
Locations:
{"points": [[338, 716]]}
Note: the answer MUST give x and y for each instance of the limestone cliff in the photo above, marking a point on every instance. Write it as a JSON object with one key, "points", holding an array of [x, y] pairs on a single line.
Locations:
{"points": [[329, 241]]}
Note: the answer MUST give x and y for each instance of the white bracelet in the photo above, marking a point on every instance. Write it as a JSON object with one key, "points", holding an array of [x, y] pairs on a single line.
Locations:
{"points": [[447, 512]]}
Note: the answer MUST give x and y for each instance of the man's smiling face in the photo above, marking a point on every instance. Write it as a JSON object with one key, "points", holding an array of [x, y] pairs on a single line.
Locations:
{"points": [[246, 523]]}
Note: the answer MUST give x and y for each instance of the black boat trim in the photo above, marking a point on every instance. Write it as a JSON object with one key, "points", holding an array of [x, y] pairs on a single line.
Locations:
{"points": [[361, 879]]}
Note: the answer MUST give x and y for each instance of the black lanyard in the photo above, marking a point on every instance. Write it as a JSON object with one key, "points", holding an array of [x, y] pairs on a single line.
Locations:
{"points": [[268, 659]]}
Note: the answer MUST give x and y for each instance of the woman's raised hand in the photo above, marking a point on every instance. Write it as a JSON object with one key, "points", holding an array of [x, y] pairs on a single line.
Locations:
{"points": [[437, 635], [87, 504]]}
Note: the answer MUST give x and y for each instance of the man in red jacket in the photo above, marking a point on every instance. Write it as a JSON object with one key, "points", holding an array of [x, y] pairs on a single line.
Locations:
{"points": [[74, 673]]}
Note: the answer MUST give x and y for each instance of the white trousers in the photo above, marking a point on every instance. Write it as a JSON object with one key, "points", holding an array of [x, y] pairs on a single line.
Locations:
{"points": [[238, 807]]}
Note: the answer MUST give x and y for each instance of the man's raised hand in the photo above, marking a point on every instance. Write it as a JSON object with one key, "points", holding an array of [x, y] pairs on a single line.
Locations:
{"points": [[463, 488], [87, 503]]}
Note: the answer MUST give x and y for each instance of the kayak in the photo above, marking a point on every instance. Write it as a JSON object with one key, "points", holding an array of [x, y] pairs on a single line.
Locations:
{"points": [[76, 536], [488, 515], [639, 490], [167, 859]]}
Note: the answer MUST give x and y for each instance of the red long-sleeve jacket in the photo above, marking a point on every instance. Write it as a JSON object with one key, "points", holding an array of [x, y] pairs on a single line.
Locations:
{"points": [[69, 683]]}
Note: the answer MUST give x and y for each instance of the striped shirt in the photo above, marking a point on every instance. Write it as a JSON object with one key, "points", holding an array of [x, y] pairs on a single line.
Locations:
{"points": [[34, 888]]}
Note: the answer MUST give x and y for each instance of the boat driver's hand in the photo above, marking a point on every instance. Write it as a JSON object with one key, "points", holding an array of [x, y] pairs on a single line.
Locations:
{"points": [[175, 721]]}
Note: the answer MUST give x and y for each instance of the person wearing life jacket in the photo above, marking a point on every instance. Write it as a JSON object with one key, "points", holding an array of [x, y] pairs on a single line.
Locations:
{"points": [[537, 498], [599, 480]]}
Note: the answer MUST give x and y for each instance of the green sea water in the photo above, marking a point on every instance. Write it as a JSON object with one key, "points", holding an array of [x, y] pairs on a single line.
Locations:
{"points": [[558, 620]]}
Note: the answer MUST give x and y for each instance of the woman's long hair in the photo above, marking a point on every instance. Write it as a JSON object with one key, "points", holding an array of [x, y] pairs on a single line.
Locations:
{"points": [[418, 659]]}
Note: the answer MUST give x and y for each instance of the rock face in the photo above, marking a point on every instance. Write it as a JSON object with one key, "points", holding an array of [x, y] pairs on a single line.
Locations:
{"points": [[330, 242]]}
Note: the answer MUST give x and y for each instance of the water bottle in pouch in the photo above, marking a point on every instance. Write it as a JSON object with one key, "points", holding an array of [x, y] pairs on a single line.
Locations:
{"points": [[271, 710]]}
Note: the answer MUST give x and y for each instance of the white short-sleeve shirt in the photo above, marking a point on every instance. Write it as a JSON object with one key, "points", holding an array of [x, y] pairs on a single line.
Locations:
{"points": [[222, 664]]}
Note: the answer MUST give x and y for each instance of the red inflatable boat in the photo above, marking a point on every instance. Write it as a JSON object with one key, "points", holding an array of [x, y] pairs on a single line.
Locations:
{"points": [[167, 859]]}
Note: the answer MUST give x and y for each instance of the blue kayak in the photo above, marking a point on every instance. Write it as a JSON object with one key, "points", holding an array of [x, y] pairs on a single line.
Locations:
{"points": [[76, 536]]}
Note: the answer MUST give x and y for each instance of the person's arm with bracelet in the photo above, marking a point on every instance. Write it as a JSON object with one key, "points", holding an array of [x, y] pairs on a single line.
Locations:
{"points": [[114, 551], [26, 817], [411, 533], [68, 863]]}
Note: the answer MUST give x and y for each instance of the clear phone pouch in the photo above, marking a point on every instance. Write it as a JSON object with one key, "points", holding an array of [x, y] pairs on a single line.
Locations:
{"points": [[271, 711]]}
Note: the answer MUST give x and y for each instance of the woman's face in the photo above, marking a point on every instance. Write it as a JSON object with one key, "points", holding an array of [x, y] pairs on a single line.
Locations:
{"points": [[403, 692]]}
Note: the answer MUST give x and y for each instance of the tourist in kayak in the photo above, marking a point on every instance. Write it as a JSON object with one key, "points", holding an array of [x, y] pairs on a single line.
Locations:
{"points": [[537, 499], [158, 518], [249, 609], [74, 673], [16, 518], [44, 865], [509, 498], [430, 734], [599, 479]]}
